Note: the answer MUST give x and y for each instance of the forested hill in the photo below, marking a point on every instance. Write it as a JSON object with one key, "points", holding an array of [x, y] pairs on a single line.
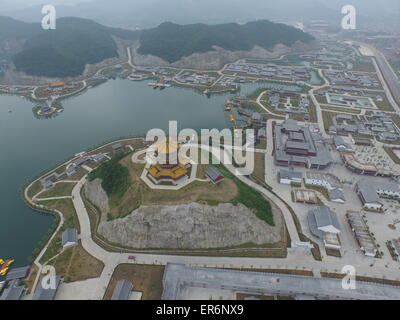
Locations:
{"points": [[171, 41], [63, 52]]}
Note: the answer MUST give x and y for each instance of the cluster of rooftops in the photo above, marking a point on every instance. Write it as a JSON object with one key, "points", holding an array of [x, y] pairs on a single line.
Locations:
{"points": [[351, 78], [47, 182], [370, 192], [275, 102], [295, 145], [14, 289], [324, 180], [269, 71], [378, 125]]}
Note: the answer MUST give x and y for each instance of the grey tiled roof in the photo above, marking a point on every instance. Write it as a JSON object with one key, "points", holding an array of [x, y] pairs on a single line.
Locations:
{"points": [[367, 191], [286, 174], [322, 217], [69, 235], [46, 294], [213, 173], [336, 194], [13, 291], [18, 273], [122, 290]]}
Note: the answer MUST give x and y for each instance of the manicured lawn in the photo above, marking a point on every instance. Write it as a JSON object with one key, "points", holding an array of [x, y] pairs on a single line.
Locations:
{"points": [[61, 189], [65, 206], [251, 198]]}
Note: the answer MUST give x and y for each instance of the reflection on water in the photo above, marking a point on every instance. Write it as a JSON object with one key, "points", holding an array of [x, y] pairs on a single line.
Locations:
{"points": [[117, 108]]}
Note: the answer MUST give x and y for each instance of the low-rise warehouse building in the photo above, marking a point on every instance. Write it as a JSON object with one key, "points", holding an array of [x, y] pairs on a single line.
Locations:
{"points": [[370, 193], [324, 180], [341, 145], [13, 290], [290, 177], [47, 293], [362, 234], [122, 290], [323, 224], [180, 282], [337, 195], [18, 273]]}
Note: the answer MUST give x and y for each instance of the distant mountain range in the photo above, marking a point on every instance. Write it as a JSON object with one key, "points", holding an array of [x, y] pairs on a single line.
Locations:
{"points": [[150, 13], [64, 52]]}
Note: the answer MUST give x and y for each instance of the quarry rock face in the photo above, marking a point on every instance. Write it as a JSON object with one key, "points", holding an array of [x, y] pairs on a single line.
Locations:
{"points": [[95, 193], [190, 226]]}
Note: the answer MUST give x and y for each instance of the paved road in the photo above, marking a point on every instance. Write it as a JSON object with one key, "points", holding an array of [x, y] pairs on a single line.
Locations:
{"points": [[277, 201], [297, 259], [317, 104], [387, 76], [182, 279]]}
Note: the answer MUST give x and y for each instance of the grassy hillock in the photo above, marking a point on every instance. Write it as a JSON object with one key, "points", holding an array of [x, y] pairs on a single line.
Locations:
{"points": [[250, 198], [115, 177]]}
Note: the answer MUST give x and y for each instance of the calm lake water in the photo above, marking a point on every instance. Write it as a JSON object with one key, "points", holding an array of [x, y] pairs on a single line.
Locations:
{"points": [[117, 108]]}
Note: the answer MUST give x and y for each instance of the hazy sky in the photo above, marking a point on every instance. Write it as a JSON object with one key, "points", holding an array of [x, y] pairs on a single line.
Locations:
{"points": [[7, 5], [362, 4], [147, 13]]}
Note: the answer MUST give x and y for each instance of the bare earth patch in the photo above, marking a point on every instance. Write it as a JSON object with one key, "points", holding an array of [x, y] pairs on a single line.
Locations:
{"points": [[76, 264]]}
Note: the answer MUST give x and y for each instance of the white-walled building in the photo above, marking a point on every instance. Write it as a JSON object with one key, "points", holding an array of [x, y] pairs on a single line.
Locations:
{"points": [[341, 145], [337, 195], [324, 224], [370, 192], [324, 180], [290, 177]]}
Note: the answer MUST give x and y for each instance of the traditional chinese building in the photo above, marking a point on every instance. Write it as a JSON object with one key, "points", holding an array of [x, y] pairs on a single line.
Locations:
{"points": [[166, 165]]}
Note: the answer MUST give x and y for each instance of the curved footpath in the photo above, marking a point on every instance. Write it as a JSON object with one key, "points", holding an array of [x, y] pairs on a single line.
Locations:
{"points": [[297, 259], [317, 104], [37, 207]]}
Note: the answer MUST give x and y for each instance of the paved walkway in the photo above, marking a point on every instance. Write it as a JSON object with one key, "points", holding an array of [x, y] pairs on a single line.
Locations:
{"points": [[297, 259], [317, 104], [263, 107]]}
